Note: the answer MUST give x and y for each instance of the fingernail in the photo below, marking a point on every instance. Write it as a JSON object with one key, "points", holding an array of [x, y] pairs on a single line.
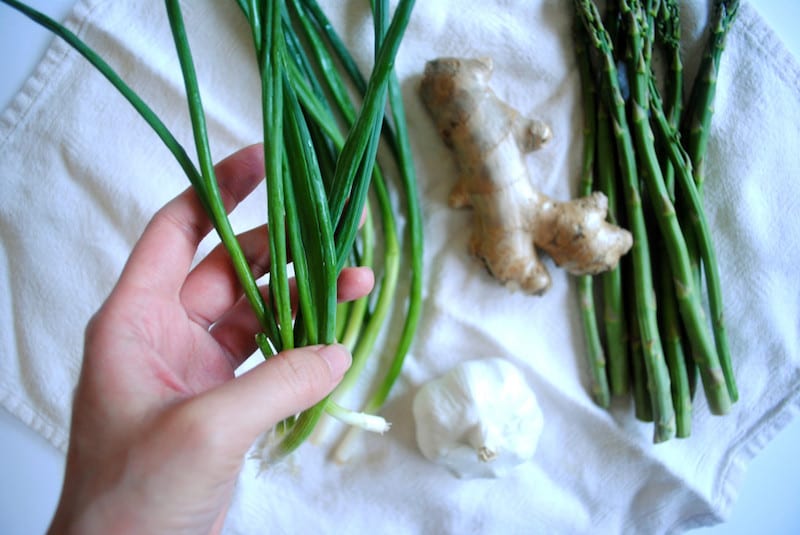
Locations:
{"points": [[338, 358]]}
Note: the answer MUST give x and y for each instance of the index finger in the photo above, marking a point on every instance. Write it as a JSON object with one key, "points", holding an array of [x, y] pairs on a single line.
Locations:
{"points": [[163, 255]]}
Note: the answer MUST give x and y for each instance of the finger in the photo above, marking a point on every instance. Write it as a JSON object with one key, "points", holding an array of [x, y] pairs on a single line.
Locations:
{"points": [[213, 287], [354, 283], [164, 253], [292, 381], [235, 331]]}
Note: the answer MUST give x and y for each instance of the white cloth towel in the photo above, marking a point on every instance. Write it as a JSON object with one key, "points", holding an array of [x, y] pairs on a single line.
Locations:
{"points": [[81, 174]]}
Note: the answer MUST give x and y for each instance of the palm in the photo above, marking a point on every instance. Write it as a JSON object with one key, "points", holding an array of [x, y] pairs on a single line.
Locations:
{"points": [[188, 358], [164, 350]]}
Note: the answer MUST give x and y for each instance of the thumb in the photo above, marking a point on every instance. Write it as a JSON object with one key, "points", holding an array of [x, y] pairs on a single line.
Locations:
{"points": [[282, 386], [199, 447]]}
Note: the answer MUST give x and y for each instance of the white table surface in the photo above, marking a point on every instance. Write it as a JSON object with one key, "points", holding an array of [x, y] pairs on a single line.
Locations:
{"points": [[31, 469]]}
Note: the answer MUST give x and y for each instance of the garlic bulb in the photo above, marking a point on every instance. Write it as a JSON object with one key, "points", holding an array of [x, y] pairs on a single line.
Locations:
{"points": [[480, 419]]}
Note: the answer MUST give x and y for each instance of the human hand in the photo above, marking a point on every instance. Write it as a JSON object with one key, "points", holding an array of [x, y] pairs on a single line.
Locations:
{"points": [[160, 425]]}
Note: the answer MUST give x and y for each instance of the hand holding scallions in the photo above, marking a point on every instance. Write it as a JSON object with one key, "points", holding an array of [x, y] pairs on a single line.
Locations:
{"points": [[160, 425]]}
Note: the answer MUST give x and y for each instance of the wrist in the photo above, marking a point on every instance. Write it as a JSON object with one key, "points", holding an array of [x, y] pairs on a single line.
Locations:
{"points": [[94, 517]]}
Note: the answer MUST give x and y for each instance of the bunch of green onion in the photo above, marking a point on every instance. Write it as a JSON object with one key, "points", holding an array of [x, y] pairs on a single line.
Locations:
{"points": [[322, 175]]}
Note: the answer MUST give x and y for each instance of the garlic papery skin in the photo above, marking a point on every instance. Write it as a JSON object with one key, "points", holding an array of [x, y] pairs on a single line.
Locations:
{"points": [[480, 419]]}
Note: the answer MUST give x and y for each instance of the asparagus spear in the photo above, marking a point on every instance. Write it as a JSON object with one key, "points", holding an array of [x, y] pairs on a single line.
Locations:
{"points": [[700, 229], [658, 374], [617, 334], [595, 356], [689, 300], [667, 33], [614, 314], [696, 130], [701, 98]]}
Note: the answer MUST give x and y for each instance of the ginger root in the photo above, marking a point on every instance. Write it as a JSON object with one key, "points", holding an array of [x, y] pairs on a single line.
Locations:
{"points": [[490, 140]]}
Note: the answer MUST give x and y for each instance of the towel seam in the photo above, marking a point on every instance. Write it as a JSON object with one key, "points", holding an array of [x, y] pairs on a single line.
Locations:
{"points": [[58, 56], [18, 407]]}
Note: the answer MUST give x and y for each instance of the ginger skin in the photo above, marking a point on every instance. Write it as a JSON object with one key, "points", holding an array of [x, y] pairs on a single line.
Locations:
{"points": [[489, 140]]}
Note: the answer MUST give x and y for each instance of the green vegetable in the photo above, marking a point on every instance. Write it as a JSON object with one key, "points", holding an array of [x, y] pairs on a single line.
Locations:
{"points": [[595, 355], [653, 355], [319, 176], [696, 131], [662, 192]]}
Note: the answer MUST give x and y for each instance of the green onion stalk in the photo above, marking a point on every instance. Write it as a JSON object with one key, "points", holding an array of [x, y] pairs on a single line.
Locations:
{"points": [[361, 329], [319, 172], [206, 187], [400, 143], [346, 191]]}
